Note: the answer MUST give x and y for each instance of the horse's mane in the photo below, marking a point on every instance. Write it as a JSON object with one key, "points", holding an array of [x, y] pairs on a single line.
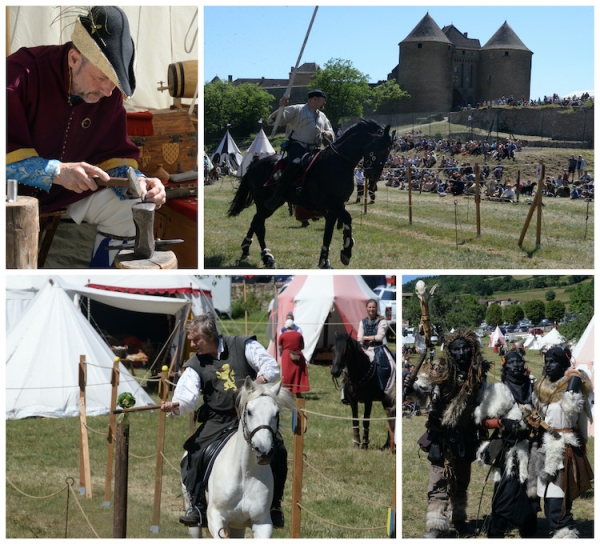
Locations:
{"points": [[363, 125], [345, 340], [284, 399]]}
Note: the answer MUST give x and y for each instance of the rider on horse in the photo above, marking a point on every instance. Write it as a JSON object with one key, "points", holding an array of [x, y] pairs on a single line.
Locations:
{"points": [[306, 129], [217, 371]]}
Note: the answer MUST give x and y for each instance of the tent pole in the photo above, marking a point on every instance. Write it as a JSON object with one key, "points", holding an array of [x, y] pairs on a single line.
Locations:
{"points": [[291, 82], [7, 31]]}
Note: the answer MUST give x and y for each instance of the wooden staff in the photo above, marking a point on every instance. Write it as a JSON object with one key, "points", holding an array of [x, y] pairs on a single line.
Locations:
{"points": [[141, 408], [477, 200], [291, 82]]}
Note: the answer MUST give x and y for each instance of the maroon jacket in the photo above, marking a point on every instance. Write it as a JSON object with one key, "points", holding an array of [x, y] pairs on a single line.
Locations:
{"points": [[41, 122]]}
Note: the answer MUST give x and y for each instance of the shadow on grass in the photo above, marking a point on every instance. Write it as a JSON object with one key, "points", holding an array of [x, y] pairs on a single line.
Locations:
{"points": [[218, 261]]}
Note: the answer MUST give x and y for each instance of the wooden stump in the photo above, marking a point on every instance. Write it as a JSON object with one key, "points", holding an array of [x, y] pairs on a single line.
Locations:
{"points": [[160, 260], [22, 233]]}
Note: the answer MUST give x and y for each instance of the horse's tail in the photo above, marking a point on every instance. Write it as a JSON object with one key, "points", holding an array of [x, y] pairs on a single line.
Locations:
{"points": [[242, 199]]}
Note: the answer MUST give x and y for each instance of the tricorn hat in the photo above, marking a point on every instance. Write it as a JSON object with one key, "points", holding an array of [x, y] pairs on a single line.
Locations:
{"points": [[102, 36]]}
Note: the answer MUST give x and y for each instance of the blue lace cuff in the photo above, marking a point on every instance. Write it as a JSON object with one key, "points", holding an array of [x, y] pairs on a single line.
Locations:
{"points": [[35, 172]]}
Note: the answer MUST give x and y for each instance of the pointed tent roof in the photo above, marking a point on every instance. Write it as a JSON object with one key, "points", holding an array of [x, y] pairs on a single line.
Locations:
{"points": [[426, 30], [229, 152], [553, 338], [43, 350], [496, 337], [261, 147], [323, 305], [583, 352], [505, 38]]}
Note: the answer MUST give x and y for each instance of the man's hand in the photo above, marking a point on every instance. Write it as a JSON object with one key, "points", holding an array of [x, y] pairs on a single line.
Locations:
{"points": [[283, 101], [152, 190], [409, 381], [78, 176], [168, 406]]}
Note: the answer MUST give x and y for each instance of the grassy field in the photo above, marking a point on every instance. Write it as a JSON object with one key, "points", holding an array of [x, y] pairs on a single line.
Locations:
{"points": [[562, 293], [345, 492], [415, 475], [443, 233]]}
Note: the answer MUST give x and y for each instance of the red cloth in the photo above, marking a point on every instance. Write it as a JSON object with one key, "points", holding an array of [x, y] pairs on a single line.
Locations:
{"points": [[302, 214], [139, 123], [187, 207], [39, 117], [294, 375]]}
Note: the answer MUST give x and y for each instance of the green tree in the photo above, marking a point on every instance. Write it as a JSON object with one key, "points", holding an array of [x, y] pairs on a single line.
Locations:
{"points": [[346, 88], [513, 313], [534, 310], [555, 310], [582, 296], [493, 315], [240, 106], [574, 329], [550, 295], [387, 94], [465, 312]]}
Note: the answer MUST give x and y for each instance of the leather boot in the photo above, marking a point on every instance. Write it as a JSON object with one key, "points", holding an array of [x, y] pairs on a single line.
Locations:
{"points": [[143, 218]]}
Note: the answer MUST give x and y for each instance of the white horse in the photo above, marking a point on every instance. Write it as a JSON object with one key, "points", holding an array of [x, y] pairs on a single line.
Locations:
{"points": [[240, 487]]}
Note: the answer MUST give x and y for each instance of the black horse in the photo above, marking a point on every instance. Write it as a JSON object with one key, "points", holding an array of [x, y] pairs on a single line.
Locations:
{"points": [[327, 186], [362, 385]]}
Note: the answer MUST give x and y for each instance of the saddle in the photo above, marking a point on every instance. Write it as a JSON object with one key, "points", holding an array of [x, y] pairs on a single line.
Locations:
{"points": [[211, 452], [305, 163]]}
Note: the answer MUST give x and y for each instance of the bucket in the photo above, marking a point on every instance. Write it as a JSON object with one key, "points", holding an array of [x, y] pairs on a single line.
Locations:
{"points": [[183, 79]]}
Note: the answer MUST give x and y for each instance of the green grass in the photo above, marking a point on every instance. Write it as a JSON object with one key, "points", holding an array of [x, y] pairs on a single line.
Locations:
{"points": [[442, 234], [415, 475], [349, 489]]}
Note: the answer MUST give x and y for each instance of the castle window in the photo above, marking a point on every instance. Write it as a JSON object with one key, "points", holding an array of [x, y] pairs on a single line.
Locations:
{"points": [[419, 46], [506, 53]]}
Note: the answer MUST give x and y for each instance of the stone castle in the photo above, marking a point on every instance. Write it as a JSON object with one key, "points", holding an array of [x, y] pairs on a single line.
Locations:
{"points": [[443, 69]]}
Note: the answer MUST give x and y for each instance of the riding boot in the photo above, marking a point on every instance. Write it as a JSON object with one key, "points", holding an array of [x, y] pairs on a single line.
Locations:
{"points": [[279, 468], [195, 514], [281, 189]]}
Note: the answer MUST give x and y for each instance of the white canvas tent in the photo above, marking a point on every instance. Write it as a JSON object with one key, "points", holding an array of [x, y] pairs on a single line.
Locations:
{"points": [[321, 306], [260, 147], [162, 35], [551, 339], [533, 342], [583, 357], [43, 350], [497, 337], [227, 152]]}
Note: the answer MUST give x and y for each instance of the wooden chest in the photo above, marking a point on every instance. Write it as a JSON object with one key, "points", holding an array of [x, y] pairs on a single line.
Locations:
{"points": [[174, 144]]}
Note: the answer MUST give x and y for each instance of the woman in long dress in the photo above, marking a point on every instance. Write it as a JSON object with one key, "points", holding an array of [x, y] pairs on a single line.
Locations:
{"points": [[294, 370]]}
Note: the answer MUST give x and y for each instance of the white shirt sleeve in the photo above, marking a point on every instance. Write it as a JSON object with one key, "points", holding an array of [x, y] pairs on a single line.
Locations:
{"points": [[260, 360], [187, 392]]}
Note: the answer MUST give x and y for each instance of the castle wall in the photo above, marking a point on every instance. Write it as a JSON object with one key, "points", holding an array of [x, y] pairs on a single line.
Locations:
{"points": [[504, 73]]}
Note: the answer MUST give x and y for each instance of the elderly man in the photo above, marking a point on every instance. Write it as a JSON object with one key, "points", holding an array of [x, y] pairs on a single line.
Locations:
{"points": [[307, 128], [217, 371], [67, 127]]}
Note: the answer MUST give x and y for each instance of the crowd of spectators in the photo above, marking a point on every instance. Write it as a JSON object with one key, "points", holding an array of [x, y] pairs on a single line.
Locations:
{"points": [[445, 167], [565, 101]]}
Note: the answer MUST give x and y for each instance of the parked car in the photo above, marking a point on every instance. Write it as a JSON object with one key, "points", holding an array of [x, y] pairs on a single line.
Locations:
{"points": [[536, 331], [545, 323], [387, 307]]}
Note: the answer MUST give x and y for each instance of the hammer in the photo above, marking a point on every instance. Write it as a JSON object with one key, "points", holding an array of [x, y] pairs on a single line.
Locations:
{"points": [[130, 181]]}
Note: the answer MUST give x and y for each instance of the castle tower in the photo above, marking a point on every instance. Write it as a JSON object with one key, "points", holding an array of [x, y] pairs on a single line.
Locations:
{"points": [[425, 68], [504, 66]]}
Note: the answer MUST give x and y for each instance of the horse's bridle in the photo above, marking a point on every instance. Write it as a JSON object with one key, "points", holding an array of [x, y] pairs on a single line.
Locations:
{"points": [[248, 435]]}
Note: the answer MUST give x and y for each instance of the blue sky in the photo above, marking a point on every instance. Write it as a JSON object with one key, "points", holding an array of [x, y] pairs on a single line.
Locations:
{"points": [[265, 41]]}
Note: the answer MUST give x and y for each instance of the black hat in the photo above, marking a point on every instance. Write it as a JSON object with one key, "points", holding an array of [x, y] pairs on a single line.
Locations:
{"points": [[102, 36], [316, 93]]}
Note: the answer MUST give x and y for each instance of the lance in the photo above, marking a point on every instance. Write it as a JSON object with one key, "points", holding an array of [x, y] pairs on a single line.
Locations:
{"points": [[291, 82]]}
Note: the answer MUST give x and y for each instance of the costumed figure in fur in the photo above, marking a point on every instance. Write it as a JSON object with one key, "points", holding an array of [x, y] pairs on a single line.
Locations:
{"points": [[562, 466], [504, 408], [455, 385]]}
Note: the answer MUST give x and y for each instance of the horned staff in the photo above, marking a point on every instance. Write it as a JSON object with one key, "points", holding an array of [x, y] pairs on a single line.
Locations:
{"points": [[424, 325]]}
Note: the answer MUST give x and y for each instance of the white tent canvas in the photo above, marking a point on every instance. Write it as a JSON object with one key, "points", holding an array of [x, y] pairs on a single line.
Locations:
{"points": [[497, 337], [43, 350], [162, 35], [532, 342], [321, 306], [552, 338], [583, 357], [227, 152], [260, 147]]}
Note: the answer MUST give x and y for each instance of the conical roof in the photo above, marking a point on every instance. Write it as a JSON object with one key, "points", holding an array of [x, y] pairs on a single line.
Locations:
{"points": [[427, 30], [505, 38]]}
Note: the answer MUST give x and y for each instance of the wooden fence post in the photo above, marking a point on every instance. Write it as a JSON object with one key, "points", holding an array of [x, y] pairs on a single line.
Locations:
{"points": [[85, 475], [114, 382], [477, 200], [536, 202], [300, 419], [409, 195], [160, 447], [121, 479]]}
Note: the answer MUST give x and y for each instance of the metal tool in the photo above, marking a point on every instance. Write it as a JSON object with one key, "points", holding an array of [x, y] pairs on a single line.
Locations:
{"points": [[130, 181]]}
